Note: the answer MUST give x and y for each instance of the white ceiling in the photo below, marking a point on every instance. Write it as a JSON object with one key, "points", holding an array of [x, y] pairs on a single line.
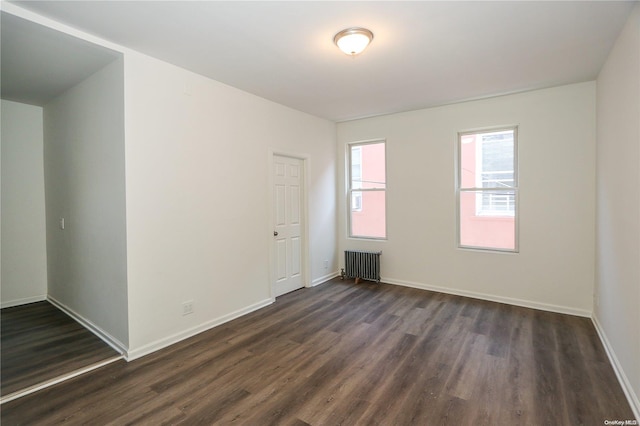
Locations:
{"points": [[39, 63], [423, 54]]}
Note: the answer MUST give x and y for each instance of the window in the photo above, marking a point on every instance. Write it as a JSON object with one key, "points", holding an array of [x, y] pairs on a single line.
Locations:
{"points": [[488, 189], [367, 190]]}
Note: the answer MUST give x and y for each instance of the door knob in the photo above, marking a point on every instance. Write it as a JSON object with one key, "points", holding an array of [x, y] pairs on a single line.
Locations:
{"points": [[275, 233]]}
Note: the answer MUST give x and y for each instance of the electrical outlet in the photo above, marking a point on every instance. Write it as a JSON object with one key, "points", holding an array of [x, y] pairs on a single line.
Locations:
{"points": [[326, 264], [187, 308]]}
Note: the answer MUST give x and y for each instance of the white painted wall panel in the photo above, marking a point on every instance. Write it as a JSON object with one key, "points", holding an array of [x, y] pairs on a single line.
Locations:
{"points": [[617, 295], [24, 255], [198, 208], [554, 269], [84, 184]]}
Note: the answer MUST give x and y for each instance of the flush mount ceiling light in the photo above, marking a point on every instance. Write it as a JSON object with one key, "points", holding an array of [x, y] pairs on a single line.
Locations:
{"points": [[352, 41]]}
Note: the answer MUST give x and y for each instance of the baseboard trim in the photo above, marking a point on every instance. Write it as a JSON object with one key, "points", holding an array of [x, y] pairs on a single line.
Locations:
{"points": [[24, 301], [117, 345], [324, 278], [634, 402], [492, 298], [177, 337]]}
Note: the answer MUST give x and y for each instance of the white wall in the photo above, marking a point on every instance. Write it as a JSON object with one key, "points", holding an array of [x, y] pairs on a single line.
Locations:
{"points": [[197, 166], [197, 203], [554, 268], [24, 256], [85, 184], [617, 293]]}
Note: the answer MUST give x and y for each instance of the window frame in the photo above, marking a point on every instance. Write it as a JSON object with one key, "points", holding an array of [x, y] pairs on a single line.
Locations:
{"points": [[356, 198], [350, 190], [515, 189]]}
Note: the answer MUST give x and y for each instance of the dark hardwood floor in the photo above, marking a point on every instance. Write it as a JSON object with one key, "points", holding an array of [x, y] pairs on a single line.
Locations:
{"points": [[39, 343], [351, 354]]}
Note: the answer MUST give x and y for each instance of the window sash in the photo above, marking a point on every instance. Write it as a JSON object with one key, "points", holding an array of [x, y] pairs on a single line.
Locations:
{"points": [[480, 182], [362, 187], [486, 198], [504, 193]]}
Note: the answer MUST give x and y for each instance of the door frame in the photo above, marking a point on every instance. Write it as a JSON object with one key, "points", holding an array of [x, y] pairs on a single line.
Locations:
{"points": [[304, 158]]}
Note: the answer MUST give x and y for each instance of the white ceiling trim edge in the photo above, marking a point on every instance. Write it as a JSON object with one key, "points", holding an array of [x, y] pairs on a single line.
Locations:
{"points": [[57, 26]]}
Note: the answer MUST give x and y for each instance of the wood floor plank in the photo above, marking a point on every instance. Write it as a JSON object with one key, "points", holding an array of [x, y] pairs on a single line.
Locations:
{"points": [[39, 343], [350, 354], [362, 370], [519, 394]]}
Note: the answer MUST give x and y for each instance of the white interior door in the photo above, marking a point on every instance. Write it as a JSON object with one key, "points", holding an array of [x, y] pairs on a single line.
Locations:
{"points": [[288, 217]]}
